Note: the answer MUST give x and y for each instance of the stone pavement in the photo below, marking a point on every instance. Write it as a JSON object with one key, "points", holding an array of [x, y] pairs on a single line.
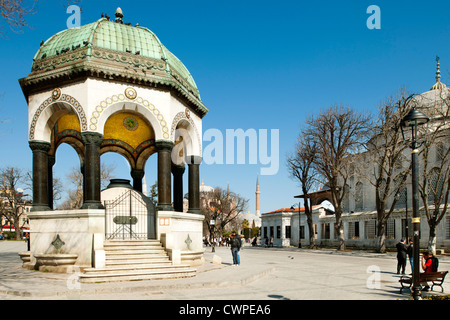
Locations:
{"points": [[264, 274]]}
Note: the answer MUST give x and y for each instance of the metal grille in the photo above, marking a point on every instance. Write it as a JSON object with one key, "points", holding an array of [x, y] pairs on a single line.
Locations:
{"points": [[130, 217]]}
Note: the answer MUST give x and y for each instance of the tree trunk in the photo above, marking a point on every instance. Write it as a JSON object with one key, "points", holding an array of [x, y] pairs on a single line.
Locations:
{"points": [[381, 238], [340, 234], [312, 238], [432, 237], [17, 227]]}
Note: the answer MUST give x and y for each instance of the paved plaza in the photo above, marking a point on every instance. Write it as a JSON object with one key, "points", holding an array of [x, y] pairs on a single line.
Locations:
{"points": [[264, 274]]}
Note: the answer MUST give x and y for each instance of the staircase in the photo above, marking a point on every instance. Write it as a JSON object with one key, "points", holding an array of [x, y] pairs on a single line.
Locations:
{"points": [[128, 260]]}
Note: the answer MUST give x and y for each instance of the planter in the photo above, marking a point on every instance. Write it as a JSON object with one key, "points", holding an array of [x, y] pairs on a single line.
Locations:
{"points": [[56, 260]]}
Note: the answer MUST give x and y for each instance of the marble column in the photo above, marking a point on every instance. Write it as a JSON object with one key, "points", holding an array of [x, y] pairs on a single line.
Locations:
{"points": [[194, 183], [92, 142], [137, 176], [177, 172], [40, 151], [164, 148]]}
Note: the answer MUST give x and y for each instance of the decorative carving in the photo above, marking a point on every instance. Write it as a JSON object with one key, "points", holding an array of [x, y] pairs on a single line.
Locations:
{"points": [[188, 242], [130, 123], [188, 113], [76, 106], [40, 146], [58, 243], [130, 93], [103, 105], [92, 138], [56, 94]]}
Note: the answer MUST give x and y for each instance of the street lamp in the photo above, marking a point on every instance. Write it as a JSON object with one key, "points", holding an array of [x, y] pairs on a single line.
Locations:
{"points": [[412, 121], [299, 227]]}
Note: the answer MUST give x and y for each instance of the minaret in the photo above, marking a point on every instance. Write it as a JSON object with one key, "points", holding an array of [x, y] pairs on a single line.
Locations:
{"points": [[258, 212], [438, 85]]}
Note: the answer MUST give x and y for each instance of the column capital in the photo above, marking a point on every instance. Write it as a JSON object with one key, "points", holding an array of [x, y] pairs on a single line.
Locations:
{"points": [[92, 138], [40, 146], [164, 145], [178, 170], [137, 174]]}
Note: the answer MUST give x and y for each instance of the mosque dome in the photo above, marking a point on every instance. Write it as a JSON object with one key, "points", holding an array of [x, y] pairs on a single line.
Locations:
{"points": [[206, 188], [114, 50]]}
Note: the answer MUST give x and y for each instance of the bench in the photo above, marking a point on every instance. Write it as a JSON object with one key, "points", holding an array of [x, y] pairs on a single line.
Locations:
{"points": [[437, 278]]}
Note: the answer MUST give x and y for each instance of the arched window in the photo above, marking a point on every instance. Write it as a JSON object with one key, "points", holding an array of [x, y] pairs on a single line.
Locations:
{"points": [[346, 199], [401, 197], [435, 185], [359, 199]]}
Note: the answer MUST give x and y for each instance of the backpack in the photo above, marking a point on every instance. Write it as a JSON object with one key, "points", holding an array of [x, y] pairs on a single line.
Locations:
{"points": [[434, 264]]}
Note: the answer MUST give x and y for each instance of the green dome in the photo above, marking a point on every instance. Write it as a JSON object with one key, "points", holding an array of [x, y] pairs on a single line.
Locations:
{"points": [[110, 45]]}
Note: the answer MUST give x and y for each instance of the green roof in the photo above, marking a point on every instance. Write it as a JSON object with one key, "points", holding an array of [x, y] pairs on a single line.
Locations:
{"points": [[116, 36]]}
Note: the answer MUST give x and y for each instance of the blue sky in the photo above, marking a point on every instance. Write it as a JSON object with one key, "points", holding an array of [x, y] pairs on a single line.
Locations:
{"points": [[257, 64]]}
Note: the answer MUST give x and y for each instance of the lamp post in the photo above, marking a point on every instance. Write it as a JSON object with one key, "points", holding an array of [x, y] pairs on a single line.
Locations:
{"points": [[412, 121], [213, 225]]}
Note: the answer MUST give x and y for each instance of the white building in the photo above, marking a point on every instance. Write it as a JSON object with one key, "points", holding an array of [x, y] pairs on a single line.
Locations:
{"points": [[359, 213]]}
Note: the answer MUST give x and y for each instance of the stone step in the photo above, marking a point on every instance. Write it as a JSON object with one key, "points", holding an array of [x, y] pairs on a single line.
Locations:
{"points": [[134, 275], [136, 259], [127, 260], [125, 252], [113, 248], [136, 268], [108, 243]]}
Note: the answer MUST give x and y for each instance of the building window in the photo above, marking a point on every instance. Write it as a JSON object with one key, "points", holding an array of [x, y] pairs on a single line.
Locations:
{"points": [[278, 232], [401, 198], [346, 199], [326, 231], [390, 229], [359, 201], [370, 229], [271, 232], [302, 232], [435, 185], [265, 232], [353, 230], [288, 232]]}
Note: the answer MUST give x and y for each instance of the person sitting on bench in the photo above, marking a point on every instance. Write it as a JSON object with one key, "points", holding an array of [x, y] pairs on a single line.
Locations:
{"points": [[429, 264]]}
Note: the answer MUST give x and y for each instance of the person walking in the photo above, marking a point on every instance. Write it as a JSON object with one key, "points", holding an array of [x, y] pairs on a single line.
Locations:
{"points": [[410, 254], [401, 256], [235, 244]]}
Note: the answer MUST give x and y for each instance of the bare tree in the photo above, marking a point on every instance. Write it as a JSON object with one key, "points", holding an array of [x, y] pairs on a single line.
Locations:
{"points": [[222, 206], [339, 132], [75, 177], [14, 13], [13, 201], [301, 168], [388, 174]]}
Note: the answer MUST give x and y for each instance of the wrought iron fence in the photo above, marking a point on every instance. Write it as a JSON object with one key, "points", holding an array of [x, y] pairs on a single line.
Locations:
{"points": [[130, 217]]}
